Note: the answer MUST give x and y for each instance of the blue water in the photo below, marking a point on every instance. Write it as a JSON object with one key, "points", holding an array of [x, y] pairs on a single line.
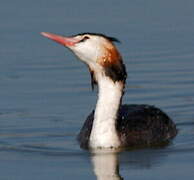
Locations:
{"points": [[45, 93]]}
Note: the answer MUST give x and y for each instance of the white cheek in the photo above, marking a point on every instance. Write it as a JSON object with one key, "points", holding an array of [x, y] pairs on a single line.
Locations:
{"points": [[87, 51]]}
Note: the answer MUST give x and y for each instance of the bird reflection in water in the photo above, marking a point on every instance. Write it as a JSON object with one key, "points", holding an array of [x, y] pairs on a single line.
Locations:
{"points": [[106, 162], [106, 165]]}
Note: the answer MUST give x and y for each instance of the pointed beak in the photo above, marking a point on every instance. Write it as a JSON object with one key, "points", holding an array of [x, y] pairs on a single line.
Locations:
{"points": [[65, 41]]}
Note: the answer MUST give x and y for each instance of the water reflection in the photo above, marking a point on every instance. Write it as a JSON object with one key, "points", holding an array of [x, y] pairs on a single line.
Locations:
{"points": [[106, 165]]}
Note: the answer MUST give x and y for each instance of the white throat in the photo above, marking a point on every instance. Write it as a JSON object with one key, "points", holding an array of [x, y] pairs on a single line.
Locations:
{"points": [[104, 134]]}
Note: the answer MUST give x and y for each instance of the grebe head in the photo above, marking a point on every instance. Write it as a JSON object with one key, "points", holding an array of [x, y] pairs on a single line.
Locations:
{"points": [[89, 47], [97, 51]]}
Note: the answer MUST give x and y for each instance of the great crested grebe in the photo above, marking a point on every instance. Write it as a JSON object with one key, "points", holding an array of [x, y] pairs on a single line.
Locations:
{"points": [[112, 125]]}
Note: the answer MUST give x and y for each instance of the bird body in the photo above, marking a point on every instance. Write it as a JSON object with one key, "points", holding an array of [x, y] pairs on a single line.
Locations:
{"points": [[111, 124], [137, 126]]}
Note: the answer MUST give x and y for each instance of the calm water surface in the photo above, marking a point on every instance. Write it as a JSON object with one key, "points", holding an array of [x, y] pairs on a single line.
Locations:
{"points": [[45, 92]]}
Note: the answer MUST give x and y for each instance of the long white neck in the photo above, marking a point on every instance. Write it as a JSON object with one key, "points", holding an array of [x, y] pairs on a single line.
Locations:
{"points": [[104, 134]]}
